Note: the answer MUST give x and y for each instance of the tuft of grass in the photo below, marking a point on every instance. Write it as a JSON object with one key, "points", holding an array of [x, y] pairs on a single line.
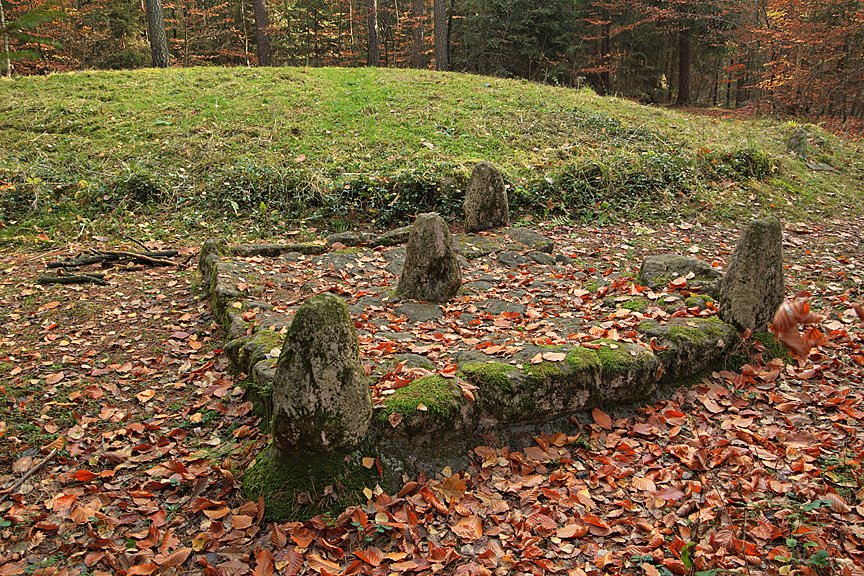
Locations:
{"points": [[377, 145]]}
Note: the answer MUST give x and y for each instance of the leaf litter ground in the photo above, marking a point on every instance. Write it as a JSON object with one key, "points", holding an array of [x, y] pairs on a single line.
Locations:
{"points": [[753, 472]]}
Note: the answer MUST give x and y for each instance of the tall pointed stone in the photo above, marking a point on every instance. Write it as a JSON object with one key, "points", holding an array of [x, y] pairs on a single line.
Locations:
{"points": [[753, 288], [486, 200], [431, 271], [321, 398]]}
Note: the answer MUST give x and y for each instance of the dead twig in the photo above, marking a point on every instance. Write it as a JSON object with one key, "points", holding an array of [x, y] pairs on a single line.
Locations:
{"points": [[28, 474]]}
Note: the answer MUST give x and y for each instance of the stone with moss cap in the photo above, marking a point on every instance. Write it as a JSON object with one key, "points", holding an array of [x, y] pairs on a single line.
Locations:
{"points": [[486, 204], [753, 288], [657, 271], [321, 398], [431, 271]]}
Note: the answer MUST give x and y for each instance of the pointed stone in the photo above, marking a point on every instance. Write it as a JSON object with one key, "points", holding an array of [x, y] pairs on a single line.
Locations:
{"points": [[486, 200], [321, 398], [753, 287], [431, 271]]}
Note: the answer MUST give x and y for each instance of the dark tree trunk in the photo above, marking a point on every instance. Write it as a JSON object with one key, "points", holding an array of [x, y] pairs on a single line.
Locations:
{"points": [[374, 53], [156, 31], [605, 76], [262, 42], [442, 35], [418, 50], [683, 98]]}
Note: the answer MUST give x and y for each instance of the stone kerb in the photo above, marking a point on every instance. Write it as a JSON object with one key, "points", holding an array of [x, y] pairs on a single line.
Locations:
{"points": [[431, 422]]}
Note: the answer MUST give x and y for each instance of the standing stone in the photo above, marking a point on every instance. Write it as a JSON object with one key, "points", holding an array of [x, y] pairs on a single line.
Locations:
{"points": [[753, 288], [486, 200], [431, 271], [321, 399]]}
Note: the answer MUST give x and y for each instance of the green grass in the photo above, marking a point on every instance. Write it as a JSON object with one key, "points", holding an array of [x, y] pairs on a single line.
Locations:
{"points": [[233, 139]]}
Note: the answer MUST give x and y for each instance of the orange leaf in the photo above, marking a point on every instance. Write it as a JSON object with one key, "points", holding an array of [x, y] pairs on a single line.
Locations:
{"points": [[372, 556], [145, 569], [601, 418], [469, 528], [263, 563], [54, 378], [319, 564], [572, 531], [177, 558], [644, 484], [859, 309]]}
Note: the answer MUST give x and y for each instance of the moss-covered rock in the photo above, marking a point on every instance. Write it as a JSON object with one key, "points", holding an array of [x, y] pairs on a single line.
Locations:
{"points": [[754, 286], [431, 271], [321, 398], [426, 403], [296, 487], [486, 204], [689, 346]]}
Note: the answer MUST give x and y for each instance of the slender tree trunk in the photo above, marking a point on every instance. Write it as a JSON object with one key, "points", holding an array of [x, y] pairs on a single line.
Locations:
{"points": [[683, 98], [156, 31], [418, 14], [262, 42], [7, 58], [442, 35], [605, 75], [374, 52]]}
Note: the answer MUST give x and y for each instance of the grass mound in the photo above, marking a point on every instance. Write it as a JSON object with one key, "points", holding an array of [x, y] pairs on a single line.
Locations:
{"points": [[371, 145]]}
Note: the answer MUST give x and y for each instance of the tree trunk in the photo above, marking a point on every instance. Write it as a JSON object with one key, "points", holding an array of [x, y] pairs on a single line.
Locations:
{"points": [[418, 17], [7, 59], [262, 42], [442, 35], [374, 48], [156, 31], [605, 75], [683, 98]]}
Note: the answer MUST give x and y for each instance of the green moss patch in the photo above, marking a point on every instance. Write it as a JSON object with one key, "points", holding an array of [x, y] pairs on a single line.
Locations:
{"points": [[488, 375], [297, 487], [637, 304], [441, 397], [614, 357], [581, 358]]}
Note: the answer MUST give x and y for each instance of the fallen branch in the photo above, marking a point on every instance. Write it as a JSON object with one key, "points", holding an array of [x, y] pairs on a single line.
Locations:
{"points": [[11, 490], [108, 257], [76, 279]]}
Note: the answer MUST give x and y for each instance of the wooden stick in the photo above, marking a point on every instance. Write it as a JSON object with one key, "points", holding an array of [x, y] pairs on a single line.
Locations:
{"points": [[79, 279], [98, 257], [9, 491]]}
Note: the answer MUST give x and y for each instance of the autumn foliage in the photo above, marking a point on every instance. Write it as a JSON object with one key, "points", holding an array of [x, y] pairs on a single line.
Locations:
{"points": [[790, 56]]}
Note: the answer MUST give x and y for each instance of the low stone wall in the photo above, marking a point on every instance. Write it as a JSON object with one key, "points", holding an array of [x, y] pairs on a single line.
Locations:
{"points": [[432, 423]]}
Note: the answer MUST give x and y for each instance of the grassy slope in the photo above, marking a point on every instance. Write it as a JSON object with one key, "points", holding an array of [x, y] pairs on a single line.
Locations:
{"points": [[184, 126]]}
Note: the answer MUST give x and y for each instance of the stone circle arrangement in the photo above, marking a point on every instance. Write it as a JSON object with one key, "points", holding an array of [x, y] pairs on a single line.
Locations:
{"points": [[300, 335]]}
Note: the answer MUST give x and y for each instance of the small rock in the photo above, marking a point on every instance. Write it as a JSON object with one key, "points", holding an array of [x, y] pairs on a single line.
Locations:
{"points": [[431, 271], [754, 286], [486, 200]]}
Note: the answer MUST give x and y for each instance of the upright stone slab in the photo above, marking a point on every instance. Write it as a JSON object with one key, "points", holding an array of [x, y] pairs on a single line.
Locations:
{"points": [[431, 271], [753, 288], [321, 399], [486, 200]]}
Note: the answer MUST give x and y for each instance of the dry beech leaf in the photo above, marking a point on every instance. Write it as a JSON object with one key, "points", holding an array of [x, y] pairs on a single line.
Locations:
{"points": [[601, 418]]}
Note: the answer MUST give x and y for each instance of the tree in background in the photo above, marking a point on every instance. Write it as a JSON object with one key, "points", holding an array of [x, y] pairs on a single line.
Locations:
{"points": [[262, 42], [442, 34], [156, 32], [374, 48], [22, 30]]}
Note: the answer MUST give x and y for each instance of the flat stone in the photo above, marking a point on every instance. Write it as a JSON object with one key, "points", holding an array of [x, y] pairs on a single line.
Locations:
{"points": [[350, 238], [513, 259], [392, 237], [419, 311], [542, 258], [657, 271], [531, 239]]}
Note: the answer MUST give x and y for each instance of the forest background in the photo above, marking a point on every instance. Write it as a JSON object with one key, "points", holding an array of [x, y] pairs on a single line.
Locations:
{"points": [[787, 57]]}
